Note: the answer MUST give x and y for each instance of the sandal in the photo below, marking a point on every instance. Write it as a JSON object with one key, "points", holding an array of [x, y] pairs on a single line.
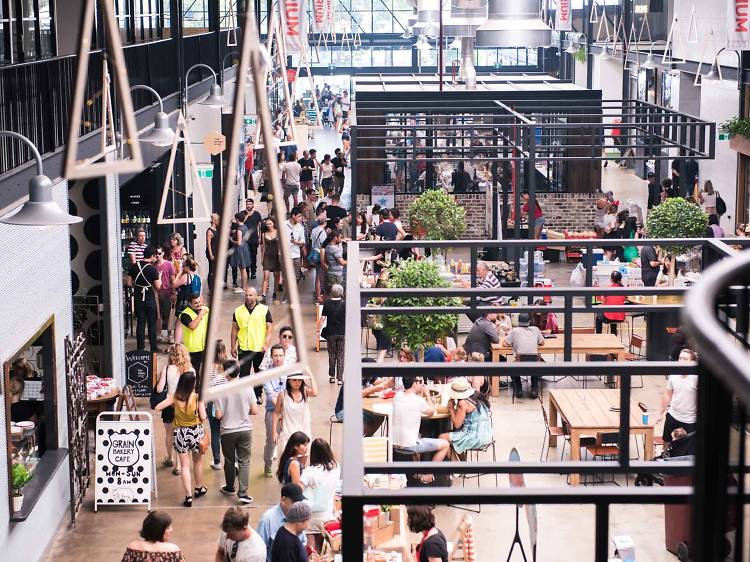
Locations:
{"points": [[200, 491], [331, 380], [176, 471], [188, 501], [168, 462]]}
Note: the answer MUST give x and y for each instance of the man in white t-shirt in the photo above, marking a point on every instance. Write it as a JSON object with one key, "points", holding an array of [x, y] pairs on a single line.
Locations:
{"points": [[291, 171], [238, 541], [409, 407], [679, 405], [296, 232]]}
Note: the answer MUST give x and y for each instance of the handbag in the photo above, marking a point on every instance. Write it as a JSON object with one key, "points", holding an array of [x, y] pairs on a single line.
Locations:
{"points": [[721, 205], [205, 443]]}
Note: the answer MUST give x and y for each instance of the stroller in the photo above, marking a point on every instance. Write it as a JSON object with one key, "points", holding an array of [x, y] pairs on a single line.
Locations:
{"points": [[681, 448]]}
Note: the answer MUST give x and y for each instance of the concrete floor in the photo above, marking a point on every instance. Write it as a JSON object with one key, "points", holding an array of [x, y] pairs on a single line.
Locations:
{"points": [[566, 533]]}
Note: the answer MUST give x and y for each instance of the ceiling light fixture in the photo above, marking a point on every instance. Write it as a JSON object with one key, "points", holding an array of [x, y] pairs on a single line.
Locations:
{"points": [[161, 134]]}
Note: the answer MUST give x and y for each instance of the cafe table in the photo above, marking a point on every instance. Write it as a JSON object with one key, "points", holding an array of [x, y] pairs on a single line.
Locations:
{"points": [[582, 344], [658, 324], [587, 412]]}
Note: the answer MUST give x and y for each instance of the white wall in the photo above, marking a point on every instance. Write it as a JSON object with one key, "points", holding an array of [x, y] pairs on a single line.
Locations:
{"points": [[34, 285], [711, 23], [580, 73], [719, 102]]}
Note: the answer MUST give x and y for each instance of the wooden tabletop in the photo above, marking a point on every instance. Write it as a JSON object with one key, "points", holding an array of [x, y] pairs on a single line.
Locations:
{"points": [[384, 406], [590, 409], [589, 343], [654, 299]]}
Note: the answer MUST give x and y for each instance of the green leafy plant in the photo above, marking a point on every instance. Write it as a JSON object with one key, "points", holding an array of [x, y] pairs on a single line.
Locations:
{"points": [[737, 126], [676, 218], [418, 331], [435, 215], [580, 55], [20, 476]]}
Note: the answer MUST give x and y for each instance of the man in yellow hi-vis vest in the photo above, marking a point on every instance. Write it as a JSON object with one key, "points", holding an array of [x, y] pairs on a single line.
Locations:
{"points": [[191, 330], [252, 328]]}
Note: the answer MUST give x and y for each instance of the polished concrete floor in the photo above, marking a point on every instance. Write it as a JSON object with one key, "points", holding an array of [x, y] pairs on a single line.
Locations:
{"points": [[566, 533]]}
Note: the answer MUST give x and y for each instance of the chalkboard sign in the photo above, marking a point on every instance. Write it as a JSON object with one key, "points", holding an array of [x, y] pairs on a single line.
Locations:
{"points": [[140, 366]]}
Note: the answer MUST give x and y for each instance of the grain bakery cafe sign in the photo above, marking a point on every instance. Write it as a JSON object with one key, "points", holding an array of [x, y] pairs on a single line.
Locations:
{"points": [[125, 469]]}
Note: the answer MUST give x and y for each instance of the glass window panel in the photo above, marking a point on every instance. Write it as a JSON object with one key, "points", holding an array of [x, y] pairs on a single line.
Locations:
{"points": [[365, 5], [428, 58], [486, 57], [380, 57], [361, 58], [364, 21], [195, 17], [402, 57], [45, 27], [342, 57], [382, 22], [405, 5]]}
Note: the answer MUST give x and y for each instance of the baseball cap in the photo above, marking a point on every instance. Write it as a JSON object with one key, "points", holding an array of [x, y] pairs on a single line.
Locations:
{"points": [[650, 175], [293, 492]]}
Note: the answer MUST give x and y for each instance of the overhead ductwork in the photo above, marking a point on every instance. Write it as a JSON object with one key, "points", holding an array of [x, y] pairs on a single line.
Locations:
{"points": [[461, 20], [468, 72], [514, 23]]}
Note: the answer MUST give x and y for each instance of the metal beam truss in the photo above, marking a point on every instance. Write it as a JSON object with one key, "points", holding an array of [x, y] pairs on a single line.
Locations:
{"points": [[356, 495]]}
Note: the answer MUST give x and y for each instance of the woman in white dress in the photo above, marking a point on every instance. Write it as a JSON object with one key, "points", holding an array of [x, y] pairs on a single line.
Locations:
{"points": [[293, 409]]}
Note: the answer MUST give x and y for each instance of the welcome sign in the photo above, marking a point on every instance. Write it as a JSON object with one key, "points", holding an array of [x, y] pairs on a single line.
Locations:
{"points": [[125, 472], [738, 24], [294, 18]]}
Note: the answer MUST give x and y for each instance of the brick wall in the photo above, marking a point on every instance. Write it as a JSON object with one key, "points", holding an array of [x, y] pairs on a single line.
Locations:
{"points": [[572, 211]]}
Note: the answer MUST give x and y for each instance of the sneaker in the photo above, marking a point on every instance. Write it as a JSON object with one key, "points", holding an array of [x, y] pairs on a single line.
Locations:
{"points": [[284, 300], [227, 491], [216, 465], [168, 462], [252, 276], [244, 498], [275, 454], [268, 473], [263, 299], [238, 290], [171, 338]]}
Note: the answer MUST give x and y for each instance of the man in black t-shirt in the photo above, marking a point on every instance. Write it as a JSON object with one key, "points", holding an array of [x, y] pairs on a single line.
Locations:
{"points": [[145, 280], [306, 173], [650, 264], [287, 547], [334, 210], [339, 165], [252, 221], [386, 230]]}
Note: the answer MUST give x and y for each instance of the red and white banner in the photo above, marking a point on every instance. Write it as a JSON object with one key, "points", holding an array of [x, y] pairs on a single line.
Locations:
{"points": [[320, 9], [563, 20], [294, 25], [738, 24]]}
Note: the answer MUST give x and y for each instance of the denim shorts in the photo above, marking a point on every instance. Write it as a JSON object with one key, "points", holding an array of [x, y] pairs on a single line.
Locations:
{"points": [[423, 445]]}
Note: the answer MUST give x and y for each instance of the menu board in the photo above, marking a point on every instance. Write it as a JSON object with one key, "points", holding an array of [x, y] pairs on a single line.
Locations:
{"points": [[125, 470]]}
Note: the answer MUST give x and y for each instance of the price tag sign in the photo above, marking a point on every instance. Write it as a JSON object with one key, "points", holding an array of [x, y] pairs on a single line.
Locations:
{"points": [[214, 143]]}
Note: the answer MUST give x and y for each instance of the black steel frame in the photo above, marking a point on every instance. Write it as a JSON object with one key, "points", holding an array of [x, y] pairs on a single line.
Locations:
{"points": [[355, 495]]}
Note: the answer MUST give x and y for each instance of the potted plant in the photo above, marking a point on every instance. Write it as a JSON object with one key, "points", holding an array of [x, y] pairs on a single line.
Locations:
{"points": [[435, 215], [20, 476], [676, 218], [739, 131], [418, 331]]}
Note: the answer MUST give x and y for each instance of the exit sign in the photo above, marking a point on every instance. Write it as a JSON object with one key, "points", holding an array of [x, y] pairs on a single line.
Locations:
{"points": [[250, 120], [206, 171], [723, 136]]}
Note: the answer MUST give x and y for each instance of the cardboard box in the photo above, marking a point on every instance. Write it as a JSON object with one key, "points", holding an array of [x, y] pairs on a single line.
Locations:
{"points": [[384, 534]]}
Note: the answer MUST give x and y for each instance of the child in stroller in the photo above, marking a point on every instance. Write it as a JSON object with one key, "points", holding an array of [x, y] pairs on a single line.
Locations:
{"points": [[682, 446]]}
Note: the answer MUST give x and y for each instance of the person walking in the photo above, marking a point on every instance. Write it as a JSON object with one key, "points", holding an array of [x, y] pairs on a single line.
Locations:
{"points": [[217, 378], [334, 318], [293, 458], [318, 236], [145, 280], [293, 407], [297, 239], [240, 251], [274, 518], [154, 545], [654, 190], [271, 259], [332, 258], [252, 221], [290, 178], [252, 329], [189, 435], [339, 165], [166, 294], [272, 388], [319, 482], [238, 542], [212, 247], [326, 173], [191, 331], [286, 337], [679, 405], [234, 411], [307, 167], [287, 546]]}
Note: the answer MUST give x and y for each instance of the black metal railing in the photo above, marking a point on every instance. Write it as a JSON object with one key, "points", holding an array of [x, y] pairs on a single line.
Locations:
{"points": [[355, 494]]}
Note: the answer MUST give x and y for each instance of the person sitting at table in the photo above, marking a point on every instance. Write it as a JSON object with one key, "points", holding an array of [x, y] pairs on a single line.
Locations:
{"points": [[679, 405], [611, 318], [482, 335], [409, 406], [470, 417], [525, 341], [370, 422], [545, 321], [485, 280]]}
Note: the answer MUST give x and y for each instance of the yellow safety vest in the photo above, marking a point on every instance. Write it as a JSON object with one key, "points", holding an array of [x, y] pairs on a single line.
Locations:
{"points": [[252, 327], [194, 340]]}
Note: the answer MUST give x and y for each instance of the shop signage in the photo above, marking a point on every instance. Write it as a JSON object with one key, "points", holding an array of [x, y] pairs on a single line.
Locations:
{"points": [[214, 143], [738, 24], [294, 18], [383, 195], [723, 136], [205, 171], [125, 471], [139, 371], [562, 16]]}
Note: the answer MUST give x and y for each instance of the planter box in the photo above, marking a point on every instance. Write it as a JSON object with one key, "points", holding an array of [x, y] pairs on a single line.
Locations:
{"points": [[740, 144]]}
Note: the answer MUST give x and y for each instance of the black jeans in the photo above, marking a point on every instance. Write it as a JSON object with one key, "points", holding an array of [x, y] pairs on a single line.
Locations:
{"points": [[196, 358], [670, 424], [250, 359], [599, 322], [145, 312], [252, 244], [534, 380]]}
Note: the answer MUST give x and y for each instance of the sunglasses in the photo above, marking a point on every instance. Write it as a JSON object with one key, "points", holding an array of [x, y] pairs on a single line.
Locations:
{"points": [[287, 337]]}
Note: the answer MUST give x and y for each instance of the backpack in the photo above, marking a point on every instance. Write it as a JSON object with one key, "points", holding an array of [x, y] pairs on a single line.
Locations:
{"points": [[721, 205]]}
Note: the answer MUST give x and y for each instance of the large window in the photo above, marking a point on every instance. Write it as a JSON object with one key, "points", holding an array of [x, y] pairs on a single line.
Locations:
{"points": [[26, 30], [195, 17], [141, 20]]}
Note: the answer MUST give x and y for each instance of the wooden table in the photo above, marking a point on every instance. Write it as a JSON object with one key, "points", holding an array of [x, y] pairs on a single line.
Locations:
{"points": [[658, 323], [384, 406], [587, 412], [589, 344]]}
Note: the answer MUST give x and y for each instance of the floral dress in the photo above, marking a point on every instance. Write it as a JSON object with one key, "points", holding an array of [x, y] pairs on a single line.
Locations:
{"points": [[476, 431], [143, 556]]}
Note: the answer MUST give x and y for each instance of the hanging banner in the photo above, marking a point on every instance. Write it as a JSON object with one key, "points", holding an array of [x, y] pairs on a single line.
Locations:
{"points": [[738, 24], [294, 18], [125, 469], [562, 16], [328, 18], [320, 9]]}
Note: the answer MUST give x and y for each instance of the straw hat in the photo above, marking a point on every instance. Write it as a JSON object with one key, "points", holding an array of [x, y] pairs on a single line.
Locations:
{"points": [[296, 377], [460, 389]]}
